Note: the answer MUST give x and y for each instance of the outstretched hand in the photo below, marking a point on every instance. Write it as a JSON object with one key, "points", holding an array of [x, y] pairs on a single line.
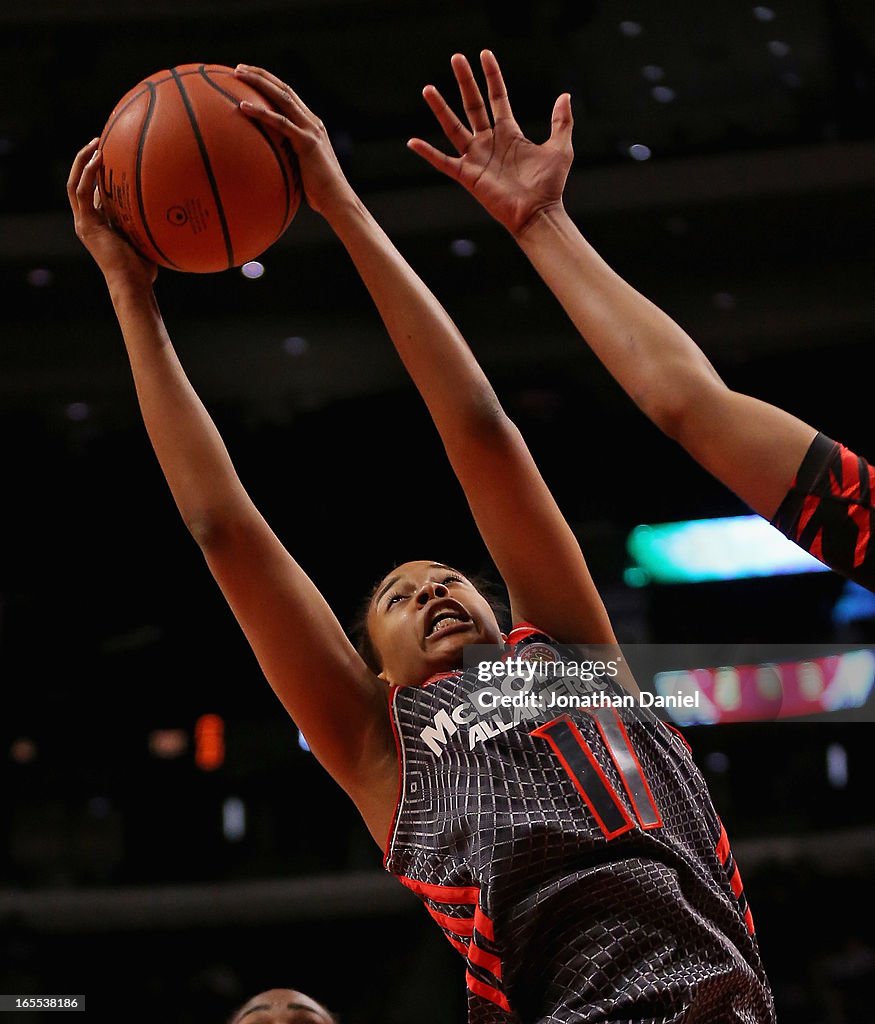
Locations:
{"points": [[513, 178], [323, 180], [115, 257]]}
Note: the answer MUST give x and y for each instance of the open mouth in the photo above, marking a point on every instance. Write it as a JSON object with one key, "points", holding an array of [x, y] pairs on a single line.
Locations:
{"points": [[447, 619]]}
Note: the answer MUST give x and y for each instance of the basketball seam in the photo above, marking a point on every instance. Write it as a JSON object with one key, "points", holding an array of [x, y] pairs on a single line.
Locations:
{"points": [[141, 141], [265, 135], [149, 85], [229, 249]]}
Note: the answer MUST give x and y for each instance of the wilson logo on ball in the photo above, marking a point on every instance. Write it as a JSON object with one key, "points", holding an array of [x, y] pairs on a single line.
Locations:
{"points": [[177, 215]]}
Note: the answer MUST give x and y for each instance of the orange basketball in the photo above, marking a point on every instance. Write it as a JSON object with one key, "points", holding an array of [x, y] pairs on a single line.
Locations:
{"points": [[191, 181]]}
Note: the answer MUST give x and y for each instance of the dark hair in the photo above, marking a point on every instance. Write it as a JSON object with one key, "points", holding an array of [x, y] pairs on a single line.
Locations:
{"points": [[484, 583], [333, 1017]]}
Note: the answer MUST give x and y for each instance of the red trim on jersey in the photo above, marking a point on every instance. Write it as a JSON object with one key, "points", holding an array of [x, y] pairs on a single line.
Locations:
{"points": [[458, 945], [723, 845], [488, 961], [394, 821], [680, 736], [521, 631], [461, 926], [724, 852], [860, 517], [483, 924], [441, 893], [440, 675], [543, 730], [458, 925], [809, 507], [480, 988]]}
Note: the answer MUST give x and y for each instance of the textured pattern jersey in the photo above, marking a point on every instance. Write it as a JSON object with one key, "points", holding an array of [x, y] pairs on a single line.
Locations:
{"points": [[572, 856], [830, 510]]}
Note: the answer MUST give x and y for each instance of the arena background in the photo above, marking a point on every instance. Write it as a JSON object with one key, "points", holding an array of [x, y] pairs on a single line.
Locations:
{"points": [[168, 891]]}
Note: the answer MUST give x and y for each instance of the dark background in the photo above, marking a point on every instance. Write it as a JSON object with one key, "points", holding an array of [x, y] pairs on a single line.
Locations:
{"points": [[751, 224]]}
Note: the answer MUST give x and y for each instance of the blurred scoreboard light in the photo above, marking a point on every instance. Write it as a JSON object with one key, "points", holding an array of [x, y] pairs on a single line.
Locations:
{"points": [[703, 550], [771, 690]]}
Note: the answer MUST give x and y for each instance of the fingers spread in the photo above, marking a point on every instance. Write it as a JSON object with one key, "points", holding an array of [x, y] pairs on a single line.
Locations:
{"points": [[498, 100], [453, 128], [446, 164], [475, 108]]}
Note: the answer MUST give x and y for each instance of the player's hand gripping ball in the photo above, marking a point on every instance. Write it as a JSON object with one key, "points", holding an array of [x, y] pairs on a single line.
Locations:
{"points": [[192, 182]]}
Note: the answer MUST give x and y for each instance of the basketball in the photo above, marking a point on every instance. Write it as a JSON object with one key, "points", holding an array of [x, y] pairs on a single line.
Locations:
{"points": [[193, 183]]}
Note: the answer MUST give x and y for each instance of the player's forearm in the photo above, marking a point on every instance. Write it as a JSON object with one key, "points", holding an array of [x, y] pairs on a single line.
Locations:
{"points": [[190, 451], [646, 352], [456, 391]]}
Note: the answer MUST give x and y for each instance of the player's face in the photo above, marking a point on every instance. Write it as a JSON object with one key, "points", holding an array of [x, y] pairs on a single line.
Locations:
{"points": [[422, 616], [282, 1006]]}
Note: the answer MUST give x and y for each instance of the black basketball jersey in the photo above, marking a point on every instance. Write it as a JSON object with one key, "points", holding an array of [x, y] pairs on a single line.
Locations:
{"points": [[572, 856]]}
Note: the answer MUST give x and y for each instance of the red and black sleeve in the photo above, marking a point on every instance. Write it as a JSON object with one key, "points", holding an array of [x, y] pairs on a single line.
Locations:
{"points": [[829, 510]]}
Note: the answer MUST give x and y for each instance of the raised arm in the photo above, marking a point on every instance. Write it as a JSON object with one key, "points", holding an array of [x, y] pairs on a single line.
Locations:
{"points": [[301, 647], [514, 510], [753, 447]]}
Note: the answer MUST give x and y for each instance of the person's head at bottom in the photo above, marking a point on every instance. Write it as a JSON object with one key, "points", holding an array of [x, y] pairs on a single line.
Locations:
{"points": [[282, 1006]]}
